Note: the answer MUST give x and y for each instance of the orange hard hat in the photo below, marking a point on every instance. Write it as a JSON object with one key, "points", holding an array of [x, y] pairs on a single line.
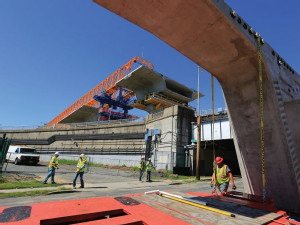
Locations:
{"points": [[219, 160]]}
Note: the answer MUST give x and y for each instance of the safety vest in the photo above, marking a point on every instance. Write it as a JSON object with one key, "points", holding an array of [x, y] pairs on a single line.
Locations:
{"points": [[149, 166], [53, 162], [81, 164], [222, 176], [142, 165]]}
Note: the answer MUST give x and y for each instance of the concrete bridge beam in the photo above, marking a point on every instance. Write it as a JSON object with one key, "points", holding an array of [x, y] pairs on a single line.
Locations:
{"points": [[217, 39]]}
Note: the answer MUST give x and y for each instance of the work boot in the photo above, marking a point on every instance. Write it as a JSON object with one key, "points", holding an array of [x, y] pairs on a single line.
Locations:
{"points": [[74, 187], [81, 187]]}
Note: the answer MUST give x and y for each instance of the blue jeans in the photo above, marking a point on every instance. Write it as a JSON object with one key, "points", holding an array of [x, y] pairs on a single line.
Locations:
{"points": [[141, 174], [223, 187], [148, 175], [51, 173], [80, 174]]}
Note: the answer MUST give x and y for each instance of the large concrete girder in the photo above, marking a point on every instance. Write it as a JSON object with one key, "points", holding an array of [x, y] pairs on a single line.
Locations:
{"points": [[205, 32], [144, 81], [84, 114]]}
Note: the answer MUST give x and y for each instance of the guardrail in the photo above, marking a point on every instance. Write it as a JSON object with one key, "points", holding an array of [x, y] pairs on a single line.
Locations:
{"points": [[74, 125], [216, 111], [29, 127]]}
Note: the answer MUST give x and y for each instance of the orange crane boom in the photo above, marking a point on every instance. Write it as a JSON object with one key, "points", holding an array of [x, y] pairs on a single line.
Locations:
{"points": [[108, 85]]}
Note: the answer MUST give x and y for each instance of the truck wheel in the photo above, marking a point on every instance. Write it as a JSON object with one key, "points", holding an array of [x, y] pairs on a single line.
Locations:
{"points": [[17, 161]]}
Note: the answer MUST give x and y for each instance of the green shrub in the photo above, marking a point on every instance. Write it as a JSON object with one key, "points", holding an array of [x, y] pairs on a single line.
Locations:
{"points": [[2, 179], [30, 193], [25, 184], [167, 174], [135, 168], [67, 162], [95, 164]]}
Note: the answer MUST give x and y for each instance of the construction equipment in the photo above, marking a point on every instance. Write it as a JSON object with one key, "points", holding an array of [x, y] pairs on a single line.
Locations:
{"points": [[108, 85], [167, 194], [142, 88], [106, 101], [197, 203]]}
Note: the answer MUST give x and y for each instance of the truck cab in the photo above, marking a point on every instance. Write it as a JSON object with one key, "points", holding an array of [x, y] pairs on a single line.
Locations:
{"points": [[22, 155]]}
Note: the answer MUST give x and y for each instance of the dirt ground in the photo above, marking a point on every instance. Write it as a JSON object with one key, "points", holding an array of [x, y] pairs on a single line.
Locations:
{"points": [[16, 177], [65, 173]]}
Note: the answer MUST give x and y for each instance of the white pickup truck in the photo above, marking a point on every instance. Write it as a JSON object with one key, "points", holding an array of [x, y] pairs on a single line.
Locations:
{"points": [[22, 155]]}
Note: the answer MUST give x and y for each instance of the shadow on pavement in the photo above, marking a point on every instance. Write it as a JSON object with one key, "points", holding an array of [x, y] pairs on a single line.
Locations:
{"points": [[92, 187]]}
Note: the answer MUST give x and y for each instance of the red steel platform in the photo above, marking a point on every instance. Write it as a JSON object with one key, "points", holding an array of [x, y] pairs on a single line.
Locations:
{"points": [[149, 209]]}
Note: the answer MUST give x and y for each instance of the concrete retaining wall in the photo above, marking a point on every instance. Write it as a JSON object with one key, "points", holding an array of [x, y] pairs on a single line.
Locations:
{"points": [[115, 144]]}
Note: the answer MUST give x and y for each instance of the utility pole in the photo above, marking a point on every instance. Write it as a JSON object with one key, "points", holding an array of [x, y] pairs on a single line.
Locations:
{"points": [[198, 147]]}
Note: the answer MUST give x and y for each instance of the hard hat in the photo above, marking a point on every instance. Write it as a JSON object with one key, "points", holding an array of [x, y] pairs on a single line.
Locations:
{"points": [[149, 159], [82, 155], [219, 160], [56, 153]]}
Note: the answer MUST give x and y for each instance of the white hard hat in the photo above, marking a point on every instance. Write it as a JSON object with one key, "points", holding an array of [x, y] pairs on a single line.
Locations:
{"points": [[56, 153], [82, 155]]}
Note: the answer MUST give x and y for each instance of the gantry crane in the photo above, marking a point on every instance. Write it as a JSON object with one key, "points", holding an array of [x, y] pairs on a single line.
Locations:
{"points": [[108, 86], [107, 101]]}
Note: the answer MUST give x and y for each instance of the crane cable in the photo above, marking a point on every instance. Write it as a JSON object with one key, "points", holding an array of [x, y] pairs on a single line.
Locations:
{"points": [[262, 139], [213, 133], [213, 114]]}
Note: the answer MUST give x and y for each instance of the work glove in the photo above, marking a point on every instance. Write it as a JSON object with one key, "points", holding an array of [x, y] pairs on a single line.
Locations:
{"points": [[233, 187], [211, 184]]}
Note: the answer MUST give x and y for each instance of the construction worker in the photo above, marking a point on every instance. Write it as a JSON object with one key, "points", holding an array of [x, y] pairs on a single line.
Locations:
{"points": [[53, 164], [80, 171], [142, 167], [221, 177], [149, 167]]}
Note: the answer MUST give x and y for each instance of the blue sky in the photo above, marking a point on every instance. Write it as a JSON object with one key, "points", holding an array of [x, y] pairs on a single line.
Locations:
{"points": [[53, 52]]}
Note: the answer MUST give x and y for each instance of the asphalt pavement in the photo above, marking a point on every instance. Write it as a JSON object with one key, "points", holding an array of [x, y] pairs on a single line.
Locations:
{"points": [[99, 182]]}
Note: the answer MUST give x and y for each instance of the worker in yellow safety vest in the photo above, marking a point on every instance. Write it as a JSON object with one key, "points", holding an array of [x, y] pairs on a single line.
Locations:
{"points": [[149, 167], [53, 165], [221, 176], [142, 167], [80, 171]]}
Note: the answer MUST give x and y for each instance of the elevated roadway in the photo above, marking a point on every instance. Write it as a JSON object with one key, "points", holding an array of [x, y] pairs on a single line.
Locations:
{"points": [[154, 90], [215, 37]]}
